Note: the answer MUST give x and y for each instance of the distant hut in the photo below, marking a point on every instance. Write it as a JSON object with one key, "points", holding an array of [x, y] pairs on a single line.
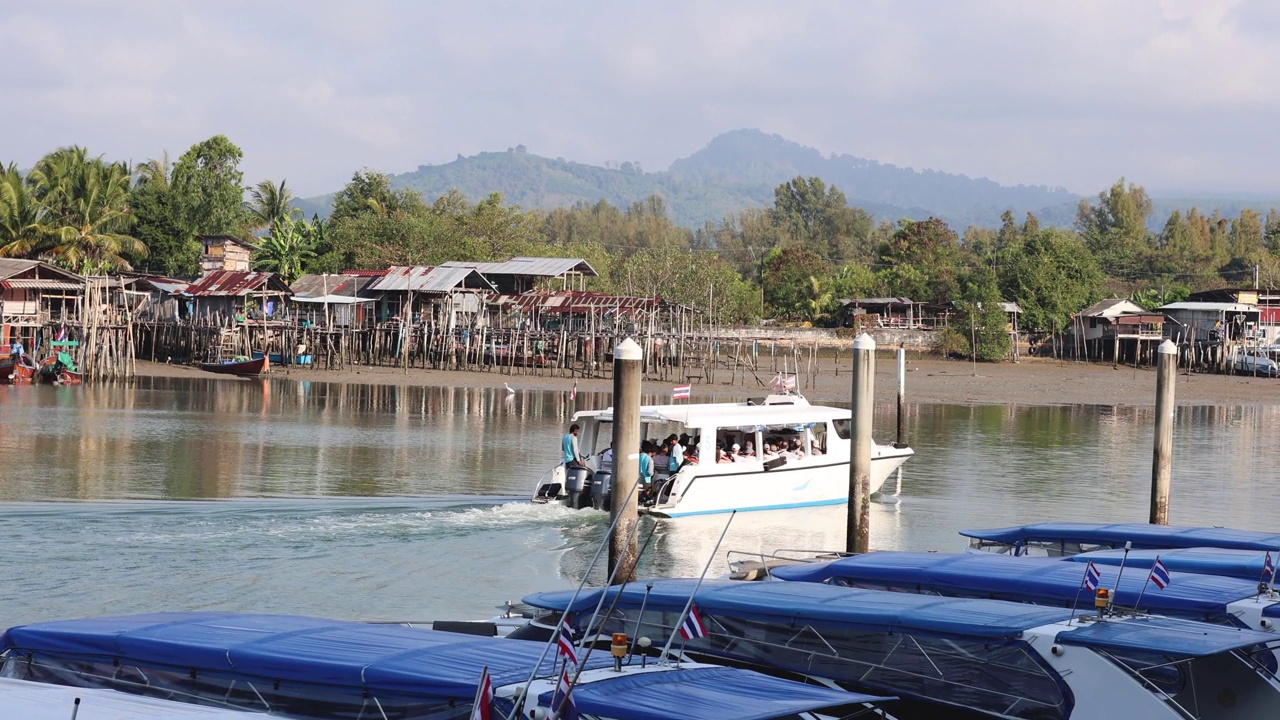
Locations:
{"points": [[34, 294], [338, 300]]}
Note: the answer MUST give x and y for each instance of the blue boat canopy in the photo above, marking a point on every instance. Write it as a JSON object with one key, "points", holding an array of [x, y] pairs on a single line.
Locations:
{"points": [[1165, 636], [705, 693], [1143, 536], [1044, 581], [1241, 564], [382, 658], [809, 603]]}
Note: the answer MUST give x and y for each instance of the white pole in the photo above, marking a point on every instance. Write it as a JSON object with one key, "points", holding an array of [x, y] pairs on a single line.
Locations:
{"points": [[862, 405], [1162, 455]]}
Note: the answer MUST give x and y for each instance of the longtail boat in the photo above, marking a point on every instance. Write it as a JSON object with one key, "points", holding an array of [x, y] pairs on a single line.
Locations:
{"points": [[240, 367], [60, 368], [17, 370]]}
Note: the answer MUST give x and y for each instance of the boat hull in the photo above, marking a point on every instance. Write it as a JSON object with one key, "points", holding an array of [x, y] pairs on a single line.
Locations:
{"points": [[246, 368], [746, 486], [22, 372]]}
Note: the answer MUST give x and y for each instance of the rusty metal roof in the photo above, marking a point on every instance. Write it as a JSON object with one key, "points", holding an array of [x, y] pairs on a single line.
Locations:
{"points": [[576, 302], [234, 283], [319, 286], [419, 278], [530, 266]]}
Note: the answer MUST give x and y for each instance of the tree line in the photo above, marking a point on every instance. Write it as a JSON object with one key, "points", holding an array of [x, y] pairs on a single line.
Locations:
{"points": [[792, 260]]}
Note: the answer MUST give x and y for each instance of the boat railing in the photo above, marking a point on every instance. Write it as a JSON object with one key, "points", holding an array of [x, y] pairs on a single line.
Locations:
{"points": [[757, 565]]}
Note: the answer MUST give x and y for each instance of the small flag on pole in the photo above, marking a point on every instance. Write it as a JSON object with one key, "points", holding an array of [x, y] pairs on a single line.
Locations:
{"points": [[1268, 567], [1091, 577], [680, 392], [692, 626], [789, 382], [573, 394], [1160, 574], [564, 641], [562, 701], [484, 697]]}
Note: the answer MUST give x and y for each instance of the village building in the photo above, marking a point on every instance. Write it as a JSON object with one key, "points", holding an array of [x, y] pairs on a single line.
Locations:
{"points": [[1211, 322], [33, 295], [334, 300], [1116, 329], [520, 275], [224, 252], [226, 297], [445, 296], [896, 312]]}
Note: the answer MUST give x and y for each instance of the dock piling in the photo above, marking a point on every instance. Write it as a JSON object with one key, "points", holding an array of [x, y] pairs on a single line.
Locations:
{"points": [[858, 533], [627, 374], [1162, 456], [902, 398]]}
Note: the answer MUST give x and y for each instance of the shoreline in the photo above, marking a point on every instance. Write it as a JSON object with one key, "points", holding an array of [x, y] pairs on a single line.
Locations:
{"points": [[929, 380]]}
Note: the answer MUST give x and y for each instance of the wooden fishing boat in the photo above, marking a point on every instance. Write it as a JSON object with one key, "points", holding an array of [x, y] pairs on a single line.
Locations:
{"points": [[18, 370], [239, 366], [59, 368]]}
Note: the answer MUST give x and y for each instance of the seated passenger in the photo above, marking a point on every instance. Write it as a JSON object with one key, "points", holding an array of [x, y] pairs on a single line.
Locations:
{"points": [[750, 450]]}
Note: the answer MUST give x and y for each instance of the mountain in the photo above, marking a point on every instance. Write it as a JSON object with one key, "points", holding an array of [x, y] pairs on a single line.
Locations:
{"points": [[740, 169]]}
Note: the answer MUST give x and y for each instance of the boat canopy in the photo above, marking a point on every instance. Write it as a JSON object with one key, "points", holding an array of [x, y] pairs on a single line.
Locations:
{"points": [[1023, 579], [808, 603], [726, 415], [1164, 636], [1242, 564], [1143, 536], [704, 693], [380, 658]]}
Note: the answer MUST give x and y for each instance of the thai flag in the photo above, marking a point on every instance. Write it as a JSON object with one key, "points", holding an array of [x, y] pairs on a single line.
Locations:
{"points": [[692, 626], [680, 392], [564, 641], [1160, 574], [62, 334], [1268, 567], [573, 394], [789, 382], [484, 697], [562, 701], [1092, 578]]}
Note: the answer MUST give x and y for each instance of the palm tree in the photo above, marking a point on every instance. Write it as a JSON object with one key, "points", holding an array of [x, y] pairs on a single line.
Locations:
{"points": [[21, 217], [154, 173], [269, 202], [89, 235]]}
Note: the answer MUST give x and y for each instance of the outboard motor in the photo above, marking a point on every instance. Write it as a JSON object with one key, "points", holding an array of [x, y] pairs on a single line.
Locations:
{"points": [[576, 487], [602, 490]]}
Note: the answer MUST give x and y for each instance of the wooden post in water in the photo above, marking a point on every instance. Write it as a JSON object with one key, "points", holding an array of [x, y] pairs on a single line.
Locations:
{"points": [[1162, 457], [902, 398], [858, 533], [627, 371]]}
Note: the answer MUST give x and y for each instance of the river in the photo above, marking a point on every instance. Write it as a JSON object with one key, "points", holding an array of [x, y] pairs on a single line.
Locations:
{"points": [[399, 502]]}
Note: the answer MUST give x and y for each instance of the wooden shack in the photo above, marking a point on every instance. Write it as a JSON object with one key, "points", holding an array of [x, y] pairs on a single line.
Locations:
{"points": [[34, 294]]}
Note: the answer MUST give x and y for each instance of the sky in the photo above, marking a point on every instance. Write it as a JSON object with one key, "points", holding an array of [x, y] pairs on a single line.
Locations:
{"points": [[1180, 96]]}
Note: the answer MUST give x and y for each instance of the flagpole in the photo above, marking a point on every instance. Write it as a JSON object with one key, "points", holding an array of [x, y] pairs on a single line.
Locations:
{"points": [[1271, 582], [475, 701], [609, 583], [1075, 603], [688, 604], [1128, 545], [552, 640], [1138, 602]]}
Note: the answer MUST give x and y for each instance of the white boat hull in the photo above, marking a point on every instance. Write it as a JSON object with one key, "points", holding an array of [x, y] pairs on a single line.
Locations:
{"points": [[746, 485]]}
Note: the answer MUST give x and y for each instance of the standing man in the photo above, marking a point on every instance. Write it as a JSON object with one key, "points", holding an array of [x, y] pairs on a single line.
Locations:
{"points": [[646, 469], [569, 447], [675, 454]]}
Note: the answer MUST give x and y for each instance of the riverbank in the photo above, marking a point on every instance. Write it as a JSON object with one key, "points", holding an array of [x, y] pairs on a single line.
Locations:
{"points": [[929, 380]]}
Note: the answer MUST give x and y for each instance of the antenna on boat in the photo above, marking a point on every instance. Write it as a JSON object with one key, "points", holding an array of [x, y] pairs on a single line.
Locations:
{"points": [[689, 603], [75, 709], [551, 641], [1128, 545]]}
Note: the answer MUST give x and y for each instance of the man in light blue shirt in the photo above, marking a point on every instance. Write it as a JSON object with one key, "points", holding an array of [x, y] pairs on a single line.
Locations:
{"points": [[675, 454], [569, 447]]}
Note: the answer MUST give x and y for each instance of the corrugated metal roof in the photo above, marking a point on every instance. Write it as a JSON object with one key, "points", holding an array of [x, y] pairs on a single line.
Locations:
{"points": [[1109, 308], [418, 278], [1210, 306], [40, 284], [12, 267], [168, 285], [876, 301], [1011, 307], [318, 286], [531, 266], [233, 283], [572, 301]]}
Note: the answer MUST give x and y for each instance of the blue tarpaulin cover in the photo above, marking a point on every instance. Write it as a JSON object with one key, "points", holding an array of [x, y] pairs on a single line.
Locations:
{"points": [[1044, 581], [1242, 564], [383, 658], [1142, 536], [703, 693], [1165, 636], [808, 603]]}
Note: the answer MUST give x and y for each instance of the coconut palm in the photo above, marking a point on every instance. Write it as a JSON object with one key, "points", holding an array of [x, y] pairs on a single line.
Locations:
{"points": [[268, 202], [21, 217]]}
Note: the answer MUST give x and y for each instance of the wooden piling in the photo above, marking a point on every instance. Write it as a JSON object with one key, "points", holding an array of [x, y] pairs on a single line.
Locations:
{"points": [[862, 405], [627, 375], [902, 398], [1162, 455]]}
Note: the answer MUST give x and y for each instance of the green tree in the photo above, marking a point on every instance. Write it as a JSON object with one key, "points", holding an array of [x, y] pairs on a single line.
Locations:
{"points": [[1051, 275], [160, 223], [206, 183], [370, 192], [269, 202], [820, 217], [920, 261], [1271, 232], [1115, 230], [789, 281], [979, 317], [286, 250], [702, 280], [21, 217]]}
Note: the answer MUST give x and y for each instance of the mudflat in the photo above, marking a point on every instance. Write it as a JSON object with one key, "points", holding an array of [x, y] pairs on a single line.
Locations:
{"points": [[929, 380]]}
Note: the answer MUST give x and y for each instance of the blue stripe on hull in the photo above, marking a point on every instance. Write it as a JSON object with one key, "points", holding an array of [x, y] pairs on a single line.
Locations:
{"points": [[784, 506]]}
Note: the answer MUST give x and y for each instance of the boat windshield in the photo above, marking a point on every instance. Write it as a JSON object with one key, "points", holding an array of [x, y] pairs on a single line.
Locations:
{"points": [[1035, 548], [1224, 686], [995, 676]]}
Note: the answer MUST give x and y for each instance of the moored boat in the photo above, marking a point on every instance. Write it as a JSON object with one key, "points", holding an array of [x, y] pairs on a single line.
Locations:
{"points": [[1240, 564], [306, 667], [240, 367], [17, 370], [22, 700], [59, 369], [1063, 539], [733, 469], [950, 657]]}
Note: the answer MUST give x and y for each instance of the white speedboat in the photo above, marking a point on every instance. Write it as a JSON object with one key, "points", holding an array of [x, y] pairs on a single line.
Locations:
{"points": [[812, 470]]}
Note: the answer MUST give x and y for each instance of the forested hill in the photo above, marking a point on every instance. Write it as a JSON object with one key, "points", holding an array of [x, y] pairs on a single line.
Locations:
{"points": [[740, 169], [736, 170]]}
